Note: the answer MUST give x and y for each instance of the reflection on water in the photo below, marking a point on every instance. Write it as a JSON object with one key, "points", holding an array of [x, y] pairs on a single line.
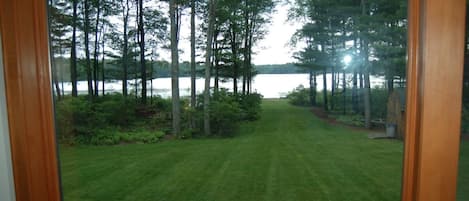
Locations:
{"points": [[269, 85]]}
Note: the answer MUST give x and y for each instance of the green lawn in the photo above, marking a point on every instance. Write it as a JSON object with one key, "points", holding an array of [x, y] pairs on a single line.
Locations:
{"points": [[287, 155]]}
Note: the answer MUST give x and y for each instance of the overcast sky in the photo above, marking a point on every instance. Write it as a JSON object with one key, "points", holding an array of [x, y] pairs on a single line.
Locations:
{"points": [[273, 49]]}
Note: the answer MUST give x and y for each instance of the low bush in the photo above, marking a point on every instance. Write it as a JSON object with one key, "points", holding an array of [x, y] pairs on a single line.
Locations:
{"points": [[465, 119], [227, 111], [115, 119], [299, 96], [353, 120], [113, 137], [251, 106], [225, 115], [102, 120]]}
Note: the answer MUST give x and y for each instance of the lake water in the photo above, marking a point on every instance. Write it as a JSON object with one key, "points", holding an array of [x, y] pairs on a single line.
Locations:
{"points": [[269, 85]]}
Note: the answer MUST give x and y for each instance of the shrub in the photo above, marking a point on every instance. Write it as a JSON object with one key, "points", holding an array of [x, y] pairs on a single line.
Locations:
{"points": [[146, 137], [353, 120], [76, 116], [299, 96], [227, 111], [102, 120], [251, 106], [379, 101], [113, 137], [465, 119], [225, 116], [116, 110], [105, 137]]}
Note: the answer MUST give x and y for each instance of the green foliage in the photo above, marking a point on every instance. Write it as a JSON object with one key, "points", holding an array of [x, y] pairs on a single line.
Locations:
{"points": [[227, 111], [379, 101], [299, 96], [225, 115], [353, 120], [465, 119], [116, 110], [113, 137], [75, 116], [251, 106], [114, 119], [109, 120]]}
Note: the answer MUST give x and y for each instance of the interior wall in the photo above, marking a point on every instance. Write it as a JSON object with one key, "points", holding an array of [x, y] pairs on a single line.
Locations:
{"points": [[7, 192]]}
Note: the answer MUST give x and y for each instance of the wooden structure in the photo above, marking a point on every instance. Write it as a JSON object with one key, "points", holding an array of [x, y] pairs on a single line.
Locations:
{"points": [[396, 111]]}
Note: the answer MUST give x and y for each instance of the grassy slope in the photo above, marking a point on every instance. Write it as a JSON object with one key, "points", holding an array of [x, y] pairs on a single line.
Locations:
{"points": [[287, 155]]}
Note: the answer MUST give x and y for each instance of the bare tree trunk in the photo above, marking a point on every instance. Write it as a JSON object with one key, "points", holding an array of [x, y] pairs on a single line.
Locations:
{"points": [[73, 52], [87, 49], [211, 16], [125, 56], [143, 66], [355, 85], [234, 51], [390, 83], [249, 69], [246, 44], [324, 91], [344, 92], [366, 93], [176, 111], [315, 90], [96, 51], [56, 81], [193, 65], [312, 87], [103, 78], [216, 53]]}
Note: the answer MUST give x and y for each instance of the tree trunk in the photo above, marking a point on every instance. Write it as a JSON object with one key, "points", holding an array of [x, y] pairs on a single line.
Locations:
{"points": [[246, 44], [176, 112], [324, 91], [234, 51], [344, 92], [193, 65], [56, 82], [390, 83], [211, 16], [367, 99], [366, 92], [355, 85], [333, 85], [73, 52], [216, 53], [125, 52], [315, 91], [87, 48], [312, 87], [249, 63], [103, 77], [96, 50], [142, 53], [354, 92]]}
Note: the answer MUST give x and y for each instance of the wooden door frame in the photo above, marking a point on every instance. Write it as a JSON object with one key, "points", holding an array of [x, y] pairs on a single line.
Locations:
{"points": [[23, 24], [434, 97], [436, 39]]}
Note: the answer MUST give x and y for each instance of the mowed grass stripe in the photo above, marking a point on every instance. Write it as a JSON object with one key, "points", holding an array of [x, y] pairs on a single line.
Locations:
{"points": [[286, 155]]}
